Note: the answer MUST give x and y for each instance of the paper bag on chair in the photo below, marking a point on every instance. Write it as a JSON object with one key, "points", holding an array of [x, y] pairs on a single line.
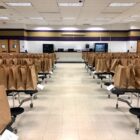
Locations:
{"points": [[15, 61], [114, 64], [31, 83], [124, 62], [98, 65], [12, 77], [5, 115], [104, 65], [21, 77], [131, 77], [47, 65], [3, 76], [1, 61], [120, 77], [9, 61], [137, 76]]}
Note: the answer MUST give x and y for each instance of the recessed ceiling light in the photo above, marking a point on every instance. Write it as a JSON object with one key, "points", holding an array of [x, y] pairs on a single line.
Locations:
{"points": [[36, 18], [69, 18], [122, 4], [95, 28], [102, 18], [128, 20], [3, 18], [19, 4], [135, 16], [69, 28], [79, 4], [43, 28]]}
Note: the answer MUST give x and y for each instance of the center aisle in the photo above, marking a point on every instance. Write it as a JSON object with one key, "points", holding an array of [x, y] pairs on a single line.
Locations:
{"points": [[74, 107]]}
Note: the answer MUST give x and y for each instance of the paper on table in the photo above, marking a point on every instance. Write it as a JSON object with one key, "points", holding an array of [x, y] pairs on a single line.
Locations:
{"points": [[110, 87], [8, 135], [41, 87]]}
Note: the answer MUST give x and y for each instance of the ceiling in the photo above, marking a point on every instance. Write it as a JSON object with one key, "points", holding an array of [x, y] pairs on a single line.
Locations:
{"points": [[92, 13]]}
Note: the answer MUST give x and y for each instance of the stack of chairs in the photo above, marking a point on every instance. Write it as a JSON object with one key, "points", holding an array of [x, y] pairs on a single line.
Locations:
{"points": [[19, 73], [125, 75]]}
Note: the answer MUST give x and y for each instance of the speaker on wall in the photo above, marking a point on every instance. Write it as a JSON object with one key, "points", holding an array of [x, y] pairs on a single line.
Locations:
{"points": [[48, 48], [87, 46]]}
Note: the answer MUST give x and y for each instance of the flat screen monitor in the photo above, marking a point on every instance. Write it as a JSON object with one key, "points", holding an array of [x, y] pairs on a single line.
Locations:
{"points": [[87, 46], [48, 48], [101, 47], [70, 50], [60, 50]]}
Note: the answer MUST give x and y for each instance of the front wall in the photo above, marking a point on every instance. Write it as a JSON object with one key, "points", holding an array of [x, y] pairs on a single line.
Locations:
{"points": [[69, 35]]}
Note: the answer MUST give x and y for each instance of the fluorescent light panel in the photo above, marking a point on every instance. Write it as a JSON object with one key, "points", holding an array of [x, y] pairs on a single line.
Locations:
{"points": [[3, 18], [95, 28], [69, 28], [19, 4], [122, 4], [43, 28], [135, 16], [71, 4], [36, 18], [69, 18], [128, 20], [102, 19]]}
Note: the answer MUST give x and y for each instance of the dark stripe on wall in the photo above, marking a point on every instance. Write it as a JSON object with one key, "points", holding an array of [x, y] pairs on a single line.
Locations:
{"points": [[118, 35], [63, 38], [69, 38], [13, 37], [77, 39], [134, 38], [26, 30], [119, 38]]}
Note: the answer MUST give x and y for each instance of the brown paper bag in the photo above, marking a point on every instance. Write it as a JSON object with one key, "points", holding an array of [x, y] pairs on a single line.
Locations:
{"points": [[114, 64], [47, 67], [5, 115], [1, 61], [120, 77], [98, 65], [21, 77], [3, 76], [123, 62], [12, 77], [31, 83], [105, 65], [9, 61], [131, 77], [137, 76], [15, 61], [37, 64]]}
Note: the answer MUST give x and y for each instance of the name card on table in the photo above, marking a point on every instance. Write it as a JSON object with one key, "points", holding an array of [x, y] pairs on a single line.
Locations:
{"points": [[40, 87], [110, 87], [8, 135]]}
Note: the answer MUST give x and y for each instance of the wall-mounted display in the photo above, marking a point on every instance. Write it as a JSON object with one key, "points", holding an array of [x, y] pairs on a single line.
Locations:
{"points": [[101, 47]]}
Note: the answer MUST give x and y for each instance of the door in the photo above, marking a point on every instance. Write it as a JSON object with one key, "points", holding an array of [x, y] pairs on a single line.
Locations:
{"points": [[138, 46], [3, 46], [14, 46]]}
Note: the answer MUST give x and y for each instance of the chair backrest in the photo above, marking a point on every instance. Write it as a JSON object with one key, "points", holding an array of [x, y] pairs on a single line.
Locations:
{"points": [[5, 114]]}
